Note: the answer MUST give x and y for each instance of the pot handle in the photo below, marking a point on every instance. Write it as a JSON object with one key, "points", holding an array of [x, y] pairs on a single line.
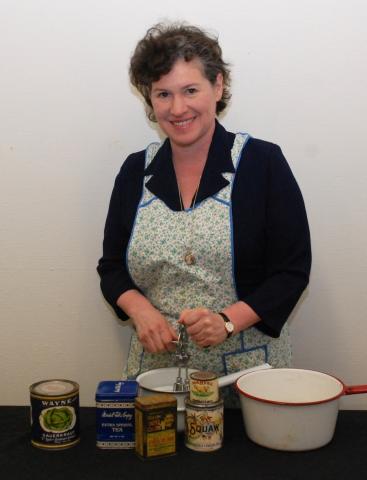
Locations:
{"points": [[233, 377], [354, 389]]}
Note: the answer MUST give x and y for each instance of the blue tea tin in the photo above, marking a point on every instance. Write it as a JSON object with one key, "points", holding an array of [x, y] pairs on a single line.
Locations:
{"points": [[115, 413]]}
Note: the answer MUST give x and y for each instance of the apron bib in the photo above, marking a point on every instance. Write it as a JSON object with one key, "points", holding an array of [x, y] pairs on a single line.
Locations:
{"points": [[155, 259]]}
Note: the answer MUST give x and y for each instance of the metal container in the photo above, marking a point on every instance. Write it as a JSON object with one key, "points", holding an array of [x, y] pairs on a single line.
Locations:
{"points": [[54, 414], [155, 426], [115, 415], [204, 387], [204, 426]]}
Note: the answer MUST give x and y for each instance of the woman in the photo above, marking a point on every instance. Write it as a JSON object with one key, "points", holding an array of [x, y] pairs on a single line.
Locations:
{"points": [[207, 229]]}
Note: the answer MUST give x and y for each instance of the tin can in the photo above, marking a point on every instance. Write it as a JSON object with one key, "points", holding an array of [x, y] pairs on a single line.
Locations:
{"points": [[115, 414], [204, 387], [54, 414], [204, 426], [155, 425]]}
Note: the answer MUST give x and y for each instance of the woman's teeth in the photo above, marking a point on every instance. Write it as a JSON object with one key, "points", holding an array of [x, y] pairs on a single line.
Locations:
{"points": [[182, 123]]}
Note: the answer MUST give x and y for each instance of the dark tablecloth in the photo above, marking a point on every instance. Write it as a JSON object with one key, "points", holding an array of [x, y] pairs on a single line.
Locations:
{"points": [[344, 458]]}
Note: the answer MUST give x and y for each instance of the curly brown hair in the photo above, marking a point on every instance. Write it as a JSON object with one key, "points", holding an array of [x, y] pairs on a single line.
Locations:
{"points": [[163, 45]]}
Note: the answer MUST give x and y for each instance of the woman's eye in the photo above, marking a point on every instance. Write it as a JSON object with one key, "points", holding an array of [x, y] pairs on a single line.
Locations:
{"points": [[162, 94]]}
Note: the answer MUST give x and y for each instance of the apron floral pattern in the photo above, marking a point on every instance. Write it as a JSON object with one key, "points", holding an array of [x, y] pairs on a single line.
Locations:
{"points": [[155, 259]]}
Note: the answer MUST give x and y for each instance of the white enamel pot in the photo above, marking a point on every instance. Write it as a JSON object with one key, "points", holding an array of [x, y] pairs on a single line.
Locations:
{"points": [[161, 380], [291, 409]]}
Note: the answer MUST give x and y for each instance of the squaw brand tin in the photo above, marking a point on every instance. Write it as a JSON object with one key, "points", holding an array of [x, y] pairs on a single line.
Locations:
{"points": [[115, 416], [204, 426], [54, 414]]}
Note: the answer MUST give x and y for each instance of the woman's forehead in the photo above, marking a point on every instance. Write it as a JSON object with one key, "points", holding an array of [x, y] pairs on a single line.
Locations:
{"points": [[182, 72]]}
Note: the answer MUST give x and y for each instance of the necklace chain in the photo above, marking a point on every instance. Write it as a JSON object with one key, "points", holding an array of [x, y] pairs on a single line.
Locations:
{"points": [[189, 257], [192, 206]]}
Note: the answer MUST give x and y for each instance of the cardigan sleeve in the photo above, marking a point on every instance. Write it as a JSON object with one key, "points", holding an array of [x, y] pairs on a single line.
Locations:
{"points": [[281, 271], [112, 269]]}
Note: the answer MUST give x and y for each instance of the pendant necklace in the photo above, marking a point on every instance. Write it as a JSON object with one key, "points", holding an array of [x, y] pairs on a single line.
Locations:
{"points": [[189, 256]]}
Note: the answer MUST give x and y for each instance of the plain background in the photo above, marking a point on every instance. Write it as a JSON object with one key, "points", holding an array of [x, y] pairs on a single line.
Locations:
{"points": [[68, 119]]}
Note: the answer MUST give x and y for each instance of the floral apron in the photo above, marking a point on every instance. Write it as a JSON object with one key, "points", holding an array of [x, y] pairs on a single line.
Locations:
{"points": [[155, 259]]}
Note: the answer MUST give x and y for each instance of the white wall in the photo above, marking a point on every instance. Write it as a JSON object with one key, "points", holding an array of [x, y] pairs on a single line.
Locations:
{"points": [[68, 118]]}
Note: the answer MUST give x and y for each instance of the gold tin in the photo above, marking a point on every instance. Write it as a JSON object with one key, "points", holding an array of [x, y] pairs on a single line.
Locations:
{"points": [[155, 425], [204, 426], [204, 387], [54, 414]]}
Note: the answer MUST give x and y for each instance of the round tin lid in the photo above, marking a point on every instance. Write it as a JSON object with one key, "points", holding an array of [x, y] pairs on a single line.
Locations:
{"points": [[54, 388], [203, 376]]}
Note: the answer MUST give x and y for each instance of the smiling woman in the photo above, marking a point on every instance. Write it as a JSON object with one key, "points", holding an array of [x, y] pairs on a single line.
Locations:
{"points": [[184, 104], [206, 230]]}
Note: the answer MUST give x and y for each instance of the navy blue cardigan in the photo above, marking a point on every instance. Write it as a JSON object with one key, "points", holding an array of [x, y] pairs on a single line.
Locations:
{"points": [[271, 239]]}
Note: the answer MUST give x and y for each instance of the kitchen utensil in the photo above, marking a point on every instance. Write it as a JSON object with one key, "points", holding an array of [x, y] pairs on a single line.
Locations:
{"points": [[182, 357]]}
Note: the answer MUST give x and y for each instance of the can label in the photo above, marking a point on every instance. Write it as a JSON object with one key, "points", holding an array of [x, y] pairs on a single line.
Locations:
{"points": [[155, 426], [204, 387], [204, 426], [115, 425], [55, 420]]}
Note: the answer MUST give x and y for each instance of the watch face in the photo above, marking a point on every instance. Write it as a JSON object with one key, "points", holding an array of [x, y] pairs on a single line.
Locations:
{"points": [[229, 327]]}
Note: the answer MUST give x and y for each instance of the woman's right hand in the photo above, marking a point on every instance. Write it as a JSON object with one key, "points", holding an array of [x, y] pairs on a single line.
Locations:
{"points": [[153, 330]]}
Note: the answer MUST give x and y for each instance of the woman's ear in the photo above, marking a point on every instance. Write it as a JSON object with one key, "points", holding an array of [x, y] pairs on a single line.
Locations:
{"points": [[219, 86]]}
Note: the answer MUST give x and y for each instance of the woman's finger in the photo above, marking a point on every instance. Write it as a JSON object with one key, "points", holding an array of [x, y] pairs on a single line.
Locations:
{"points": [[189, 317]]}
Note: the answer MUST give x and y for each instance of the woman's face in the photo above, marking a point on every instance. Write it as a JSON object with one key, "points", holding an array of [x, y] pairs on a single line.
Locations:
{"points": [[184, 104]]}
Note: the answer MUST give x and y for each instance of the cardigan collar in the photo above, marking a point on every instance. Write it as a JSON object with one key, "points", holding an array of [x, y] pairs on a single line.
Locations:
{"points": [[163, 181]]}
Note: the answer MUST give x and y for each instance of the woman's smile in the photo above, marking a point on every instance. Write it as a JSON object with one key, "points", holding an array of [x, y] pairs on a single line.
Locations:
{"points": [[184, 103], [183, 123]]}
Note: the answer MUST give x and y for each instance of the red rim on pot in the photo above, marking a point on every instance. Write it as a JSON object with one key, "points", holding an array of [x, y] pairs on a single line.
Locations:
{"points": [[342, 390]]}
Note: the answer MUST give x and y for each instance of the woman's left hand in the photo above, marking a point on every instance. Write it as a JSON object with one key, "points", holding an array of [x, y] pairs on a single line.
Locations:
{"points": [[204, 327]]}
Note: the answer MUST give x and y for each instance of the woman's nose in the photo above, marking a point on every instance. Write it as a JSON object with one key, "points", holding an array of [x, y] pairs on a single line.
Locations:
{"points": [[178, 105]]}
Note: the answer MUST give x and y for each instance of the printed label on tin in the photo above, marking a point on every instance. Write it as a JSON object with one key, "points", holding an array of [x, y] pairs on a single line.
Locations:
{"points": [[116, 445], [204, 391], [156, 432], [161, 443], [55, 423], [57, 419], [115, 424], [204, 428]]}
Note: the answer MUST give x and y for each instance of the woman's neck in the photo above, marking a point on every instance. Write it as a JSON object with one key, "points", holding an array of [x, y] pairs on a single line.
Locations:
{"points": [[189, 162], [189, 167], [195, 153], [190, 157]]}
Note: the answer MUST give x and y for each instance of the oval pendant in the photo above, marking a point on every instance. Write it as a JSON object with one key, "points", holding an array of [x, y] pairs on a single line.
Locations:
{"points": [[189, 259]]}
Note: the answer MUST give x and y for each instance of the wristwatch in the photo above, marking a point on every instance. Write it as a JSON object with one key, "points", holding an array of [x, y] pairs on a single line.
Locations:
{"points": [[228, 325]]}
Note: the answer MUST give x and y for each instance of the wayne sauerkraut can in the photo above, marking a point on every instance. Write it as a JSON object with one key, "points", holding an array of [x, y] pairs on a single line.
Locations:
{"points": [[204, 426], [54, 414]]}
